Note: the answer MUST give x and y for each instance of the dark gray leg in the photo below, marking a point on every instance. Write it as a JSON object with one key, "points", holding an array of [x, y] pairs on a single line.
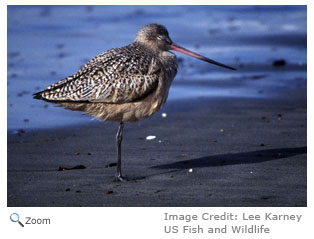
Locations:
{"points": [[118, 176]]}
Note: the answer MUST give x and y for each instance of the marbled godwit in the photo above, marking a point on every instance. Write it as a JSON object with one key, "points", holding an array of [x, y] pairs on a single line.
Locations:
{"points": [[124, 84]]}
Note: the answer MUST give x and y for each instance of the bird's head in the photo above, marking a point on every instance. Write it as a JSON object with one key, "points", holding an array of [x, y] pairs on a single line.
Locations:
{"points": [[156, 37]]}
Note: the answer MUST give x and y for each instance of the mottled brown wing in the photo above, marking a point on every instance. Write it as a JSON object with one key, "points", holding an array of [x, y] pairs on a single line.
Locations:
{"points": [[116, 76]]}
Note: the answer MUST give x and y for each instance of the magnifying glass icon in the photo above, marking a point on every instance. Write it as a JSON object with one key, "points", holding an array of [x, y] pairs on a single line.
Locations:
{"points": [[16, 218]]}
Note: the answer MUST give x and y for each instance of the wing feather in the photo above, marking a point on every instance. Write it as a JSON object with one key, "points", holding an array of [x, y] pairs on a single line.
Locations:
{"points": [[115, 76]]}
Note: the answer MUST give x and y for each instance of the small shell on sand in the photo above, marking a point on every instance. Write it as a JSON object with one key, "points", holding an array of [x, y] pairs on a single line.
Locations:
{"points": [[150, 137]]}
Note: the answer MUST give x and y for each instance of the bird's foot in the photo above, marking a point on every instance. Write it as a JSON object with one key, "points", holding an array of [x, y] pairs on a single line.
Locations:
{"points": [[119, 178]]}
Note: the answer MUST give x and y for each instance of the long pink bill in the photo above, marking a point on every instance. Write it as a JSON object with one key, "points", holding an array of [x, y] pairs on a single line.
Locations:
{"points": [[178, 48]]}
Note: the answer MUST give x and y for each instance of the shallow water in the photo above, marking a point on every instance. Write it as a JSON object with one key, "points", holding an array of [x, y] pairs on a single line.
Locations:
{"points": [[49, 43]]}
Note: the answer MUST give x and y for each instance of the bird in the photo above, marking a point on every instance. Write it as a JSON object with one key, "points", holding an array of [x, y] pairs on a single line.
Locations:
{"points": [[125, 84]]}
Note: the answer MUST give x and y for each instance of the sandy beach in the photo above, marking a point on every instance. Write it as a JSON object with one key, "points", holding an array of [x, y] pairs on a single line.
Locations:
{"points": [[207, 152]]}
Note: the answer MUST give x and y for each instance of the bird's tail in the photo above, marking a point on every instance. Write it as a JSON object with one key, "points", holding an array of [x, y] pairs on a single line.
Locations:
{"points": [[38, 95]]}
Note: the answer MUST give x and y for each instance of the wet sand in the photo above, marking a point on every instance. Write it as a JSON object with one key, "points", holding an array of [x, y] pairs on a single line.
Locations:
{"points": [[207, 152]]}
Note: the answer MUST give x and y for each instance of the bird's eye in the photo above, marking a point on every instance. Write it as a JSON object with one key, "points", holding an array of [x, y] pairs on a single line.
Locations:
{"points": [[160, 37]]}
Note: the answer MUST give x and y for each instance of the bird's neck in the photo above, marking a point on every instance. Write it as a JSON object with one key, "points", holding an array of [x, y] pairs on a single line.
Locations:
{"points": [[148, 47]]}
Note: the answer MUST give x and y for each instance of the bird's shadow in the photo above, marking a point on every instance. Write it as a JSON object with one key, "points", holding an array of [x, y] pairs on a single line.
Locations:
{"points": [[236, 158]]}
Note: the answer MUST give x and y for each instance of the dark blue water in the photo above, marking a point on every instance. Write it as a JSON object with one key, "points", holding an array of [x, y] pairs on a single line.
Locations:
{"points": [[49, 43]]}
